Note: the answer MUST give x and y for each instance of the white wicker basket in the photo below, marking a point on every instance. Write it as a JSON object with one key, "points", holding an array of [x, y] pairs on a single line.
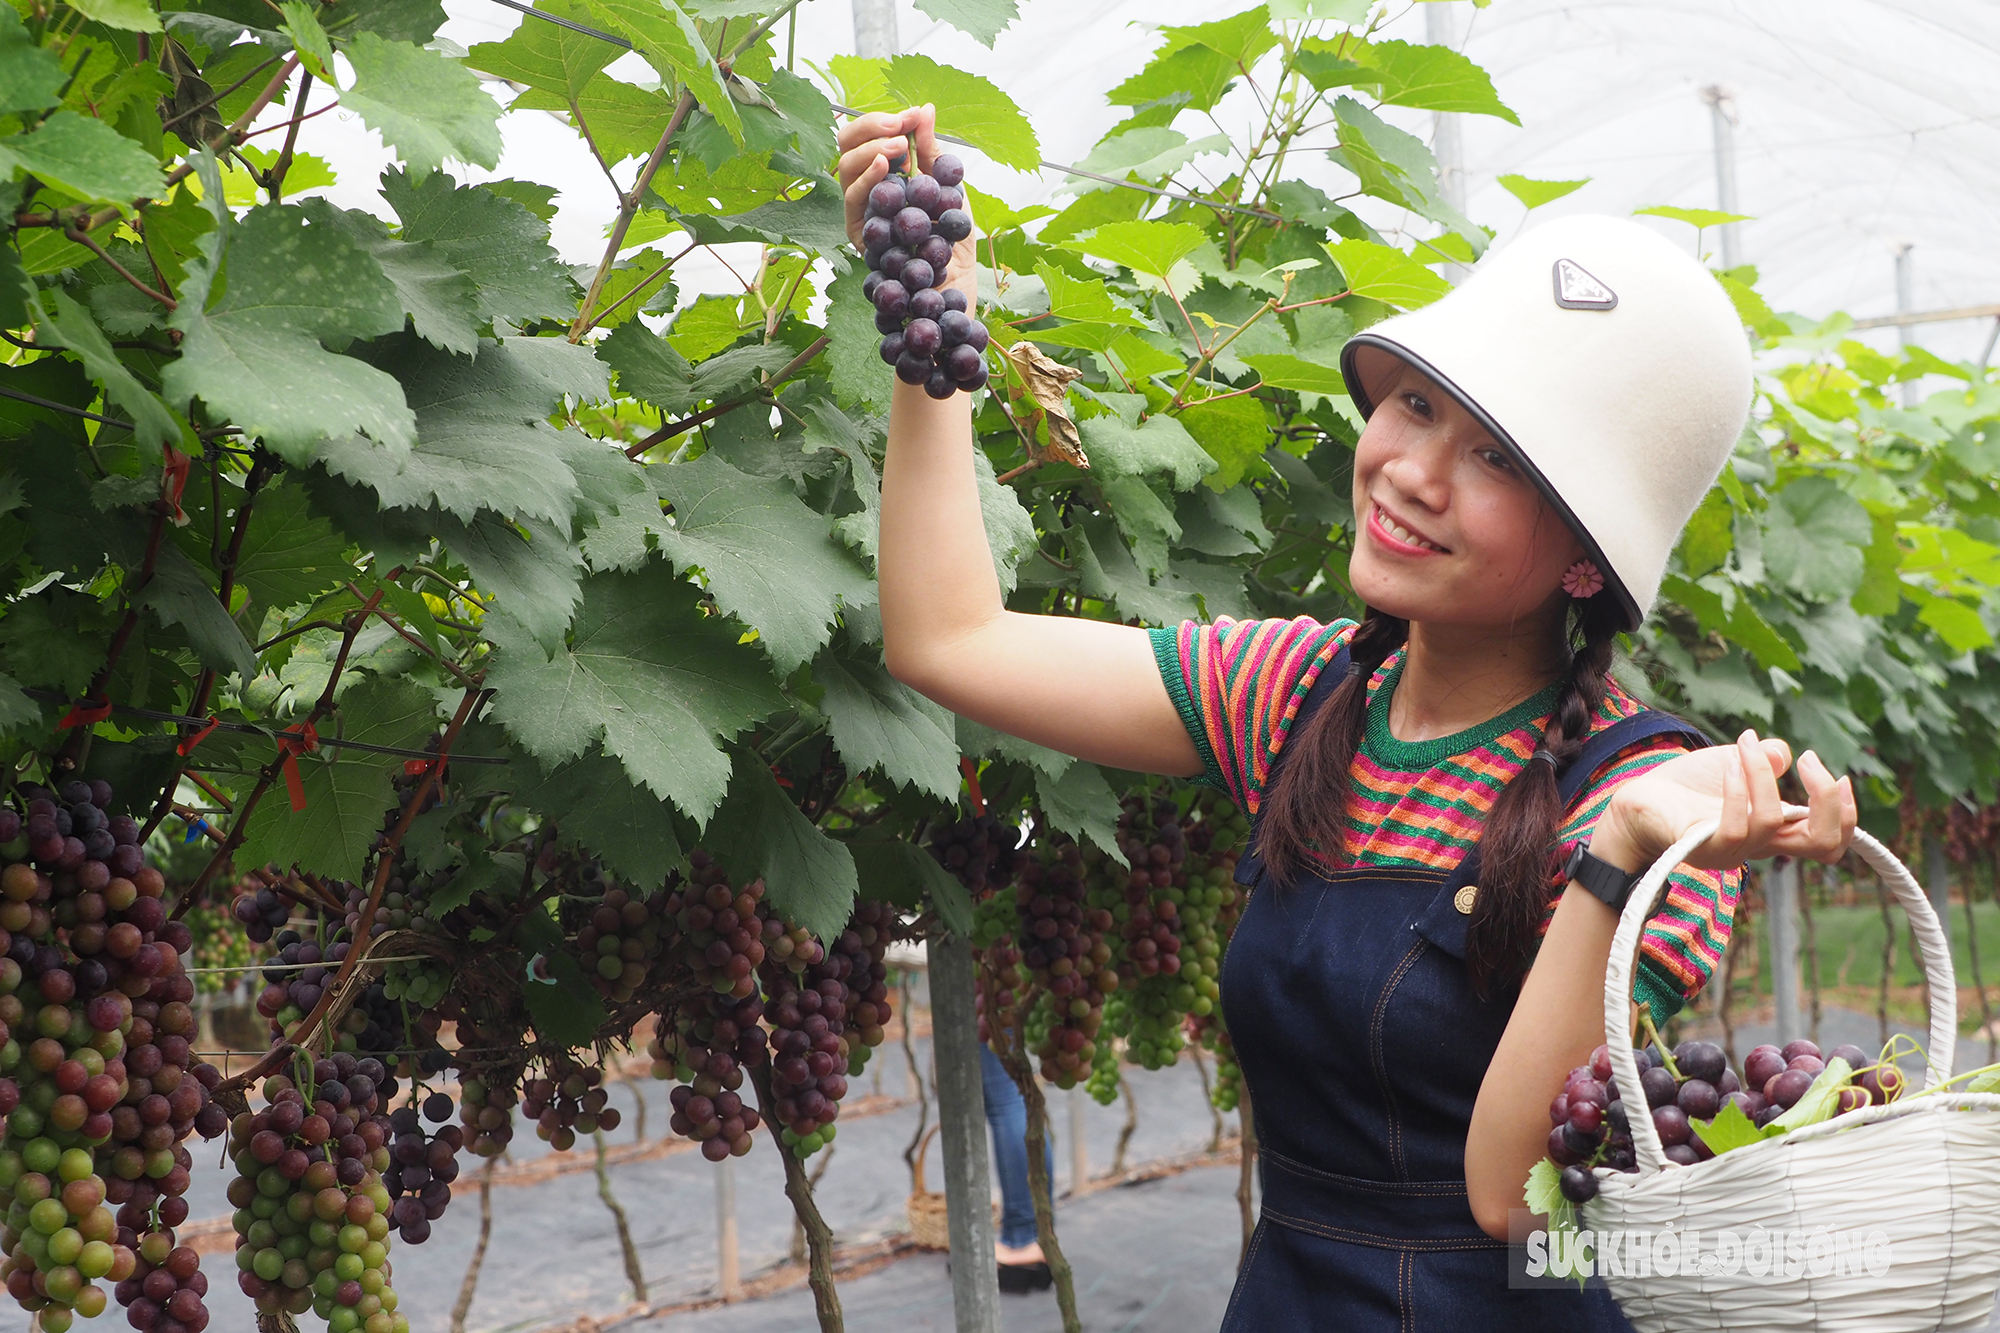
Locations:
{"points": [[1923, 1172]]}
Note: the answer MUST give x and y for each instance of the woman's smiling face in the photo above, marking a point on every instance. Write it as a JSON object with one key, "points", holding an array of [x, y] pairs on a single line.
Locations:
{"points": [[1450, 529]]}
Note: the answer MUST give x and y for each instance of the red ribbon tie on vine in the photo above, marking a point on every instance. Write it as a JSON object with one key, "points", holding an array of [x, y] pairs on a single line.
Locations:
{"points": [[85, 713], [416, 768], [292, 742], [186, 747], [173, 480]]}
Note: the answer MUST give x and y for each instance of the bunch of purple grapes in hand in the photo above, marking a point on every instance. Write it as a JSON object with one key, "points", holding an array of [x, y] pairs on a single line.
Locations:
{"points": [[928, 333]]}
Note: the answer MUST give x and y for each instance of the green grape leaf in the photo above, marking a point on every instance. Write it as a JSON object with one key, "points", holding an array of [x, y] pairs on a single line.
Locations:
{"points": [[1143, 247], [768, 559], [1959, 625], [898, 871], [1152, 153], [1081, 803], [1709, 536], [1234, 432], [1385, 274], [254, 355], [646, 673], [596, 803], [82, 157], [71, 327], [624, 120], [1192, 78], [425, 105], [18, 713], [570, 1012], [530, 569], [1282, 371], [1144, 519], [53, 639], [179, 593], [483, 438], [441, 301], [668, 40], [981, 20], [290, 553], [1222, 523], [1534, 193], [308, 39], [969, 106], [345, 790], [1819, 1102], [1726, 688], [492, 238], [414, 21], [547, 56], [975, 739], [1729, 1129], [1241, 38], [1432, 78], [1072, 298], [1694, 217], [31, 76], [1120, 445], [1814, 536], [879, 722], [127, 15], [809, 879], [617, 509], [1010, 528]]}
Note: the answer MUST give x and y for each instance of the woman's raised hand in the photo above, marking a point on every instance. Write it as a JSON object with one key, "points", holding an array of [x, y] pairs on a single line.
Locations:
{"points": [[867, 144], [1737, 784]]}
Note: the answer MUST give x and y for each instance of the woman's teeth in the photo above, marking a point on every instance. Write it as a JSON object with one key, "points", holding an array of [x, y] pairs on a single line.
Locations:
{"points": [[1400, 533]]}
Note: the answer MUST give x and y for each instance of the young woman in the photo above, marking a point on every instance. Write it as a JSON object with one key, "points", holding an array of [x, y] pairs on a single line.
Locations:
{"points": [[1450, 798]]}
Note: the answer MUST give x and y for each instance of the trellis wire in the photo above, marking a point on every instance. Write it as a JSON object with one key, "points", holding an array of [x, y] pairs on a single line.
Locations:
{"points": [[1044, 163]]}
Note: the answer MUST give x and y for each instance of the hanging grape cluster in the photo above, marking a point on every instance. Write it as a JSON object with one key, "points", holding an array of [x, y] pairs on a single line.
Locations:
{"points": [[826, 1018], [567, 1100], [98, 1081], [1063, 947], [928, 333]]}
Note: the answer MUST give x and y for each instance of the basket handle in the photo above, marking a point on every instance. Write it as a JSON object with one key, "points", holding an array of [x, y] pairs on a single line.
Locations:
{"points": [[917, 1172], [1624, 949]]}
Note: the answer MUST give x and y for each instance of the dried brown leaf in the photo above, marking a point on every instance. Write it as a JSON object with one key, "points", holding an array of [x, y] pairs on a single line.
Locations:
{"points": [[1048, 382]]}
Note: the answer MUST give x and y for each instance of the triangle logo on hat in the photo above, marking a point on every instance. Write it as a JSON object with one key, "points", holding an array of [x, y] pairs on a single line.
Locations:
{"points": [[1577, 290]]}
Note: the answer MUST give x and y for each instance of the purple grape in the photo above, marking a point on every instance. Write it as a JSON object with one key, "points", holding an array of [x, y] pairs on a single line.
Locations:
{"points": [[1699, 1099], [935, 251], [1786, 1089], [951, 198], [962, 364], [954, 224], [886, 323], [1672, 1124], [892, 297], [911, 226], [977, 338], [918, 275], [926, 304], [922, 192], [1659, 1086], [947, 170], [956, 326], [892, 347], [1682, 1153], [940, 385], [922, 337], [887, 198], [1701, 1059], [954, 299], [913, 369], [890, 265], [1579, 1184], [875, 236], [974, 383], [868, 286]]}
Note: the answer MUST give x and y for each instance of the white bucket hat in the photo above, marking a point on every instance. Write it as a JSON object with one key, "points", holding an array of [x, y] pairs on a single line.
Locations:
{"points": [[1607, 360]]}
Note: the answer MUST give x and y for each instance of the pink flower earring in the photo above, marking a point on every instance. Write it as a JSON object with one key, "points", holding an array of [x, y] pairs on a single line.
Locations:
{"points": [[1582, 580]]}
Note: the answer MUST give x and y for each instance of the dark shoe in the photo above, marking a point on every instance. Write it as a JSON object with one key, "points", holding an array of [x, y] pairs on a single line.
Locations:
{"points": [[1020, 1279]]}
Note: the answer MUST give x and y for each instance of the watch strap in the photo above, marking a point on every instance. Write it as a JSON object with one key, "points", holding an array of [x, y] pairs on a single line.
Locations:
{"points": [[1605, 881]]}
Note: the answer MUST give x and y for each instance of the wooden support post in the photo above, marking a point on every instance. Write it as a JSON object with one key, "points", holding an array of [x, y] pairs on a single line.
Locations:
{"points": [[1079, 1152], [728, 1275], [968, 1184], [1781, 898]]}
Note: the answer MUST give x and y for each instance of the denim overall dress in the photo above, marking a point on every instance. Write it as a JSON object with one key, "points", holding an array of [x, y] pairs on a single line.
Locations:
{"points": [[1364, 1045]]}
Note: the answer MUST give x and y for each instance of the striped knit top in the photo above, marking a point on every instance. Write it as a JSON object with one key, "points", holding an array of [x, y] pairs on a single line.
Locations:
{"points": [[1238, 686]]}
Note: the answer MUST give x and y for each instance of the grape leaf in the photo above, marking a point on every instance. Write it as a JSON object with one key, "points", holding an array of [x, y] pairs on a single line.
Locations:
{"points": [[1082, 804], [1729, 1128], [1072, 298], [54, 639], [1241, 38], [545, 55], [346, 790], [569, 1013], [1120, 445], [667, 39], [254, 356], [1221, 523], [1283, 371], [483, 440], [531, 570], [1432, 78], [617, 509], [646, 673], [976, 739], [1010, 528], [1819, 1102], [442, 302], [1143, 247], [809, 879], [1533, 193], [414, 21], [878, 722], [853, 356], [1144, 519], [1694, 217], [1384, 274], [83, 157], [1234, 432], [308, 39], [31, 77], [624, 120], [1152, 153], [1193, 77], [597, 805], [290, 554], [491, 238], [1814, 537], [768, 560], [892, 869], [128, 15], [981, 20], [968, 106], [18, 713], [424, 104], [71, 327]]}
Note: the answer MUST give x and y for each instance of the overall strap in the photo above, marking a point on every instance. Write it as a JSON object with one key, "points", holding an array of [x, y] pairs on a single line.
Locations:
{"points": [[1250, 866]]}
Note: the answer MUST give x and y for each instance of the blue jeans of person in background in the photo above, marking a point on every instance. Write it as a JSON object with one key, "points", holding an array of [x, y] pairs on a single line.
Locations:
{"points": [[1007, 1115]]}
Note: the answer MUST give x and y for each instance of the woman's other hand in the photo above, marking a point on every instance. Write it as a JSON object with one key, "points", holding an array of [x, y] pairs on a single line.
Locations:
{"points": [[868, 142], [1737, 784]]}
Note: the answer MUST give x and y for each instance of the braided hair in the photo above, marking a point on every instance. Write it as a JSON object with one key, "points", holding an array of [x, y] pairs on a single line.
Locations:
{"points": [[1304, 808]]}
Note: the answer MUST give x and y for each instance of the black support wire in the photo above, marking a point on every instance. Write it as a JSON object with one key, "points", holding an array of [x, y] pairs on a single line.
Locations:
{"points": [[1044, 163]]}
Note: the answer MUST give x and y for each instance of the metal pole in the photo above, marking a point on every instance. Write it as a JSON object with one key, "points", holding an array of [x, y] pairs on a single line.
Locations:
{"points": [[1722, 116], [1904, 304], [1447, 142], [729, 1278], [1992, 336], [1079, 1153], [1781, 901], [968, 1183], [875, 28]]}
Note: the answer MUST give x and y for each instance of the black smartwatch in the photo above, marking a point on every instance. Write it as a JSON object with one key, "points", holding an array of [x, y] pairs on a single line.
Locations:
{"points": [[1603, 879]]}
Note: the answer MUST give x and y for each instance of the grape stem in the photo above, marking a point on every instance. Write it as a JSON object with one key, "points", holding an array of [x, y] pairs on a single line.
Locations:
{"points": [[463, 1306], [819, 1237], [633, 1273], [1013, 1056], [628, 208], [688, 423], [1652, 1035]]}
